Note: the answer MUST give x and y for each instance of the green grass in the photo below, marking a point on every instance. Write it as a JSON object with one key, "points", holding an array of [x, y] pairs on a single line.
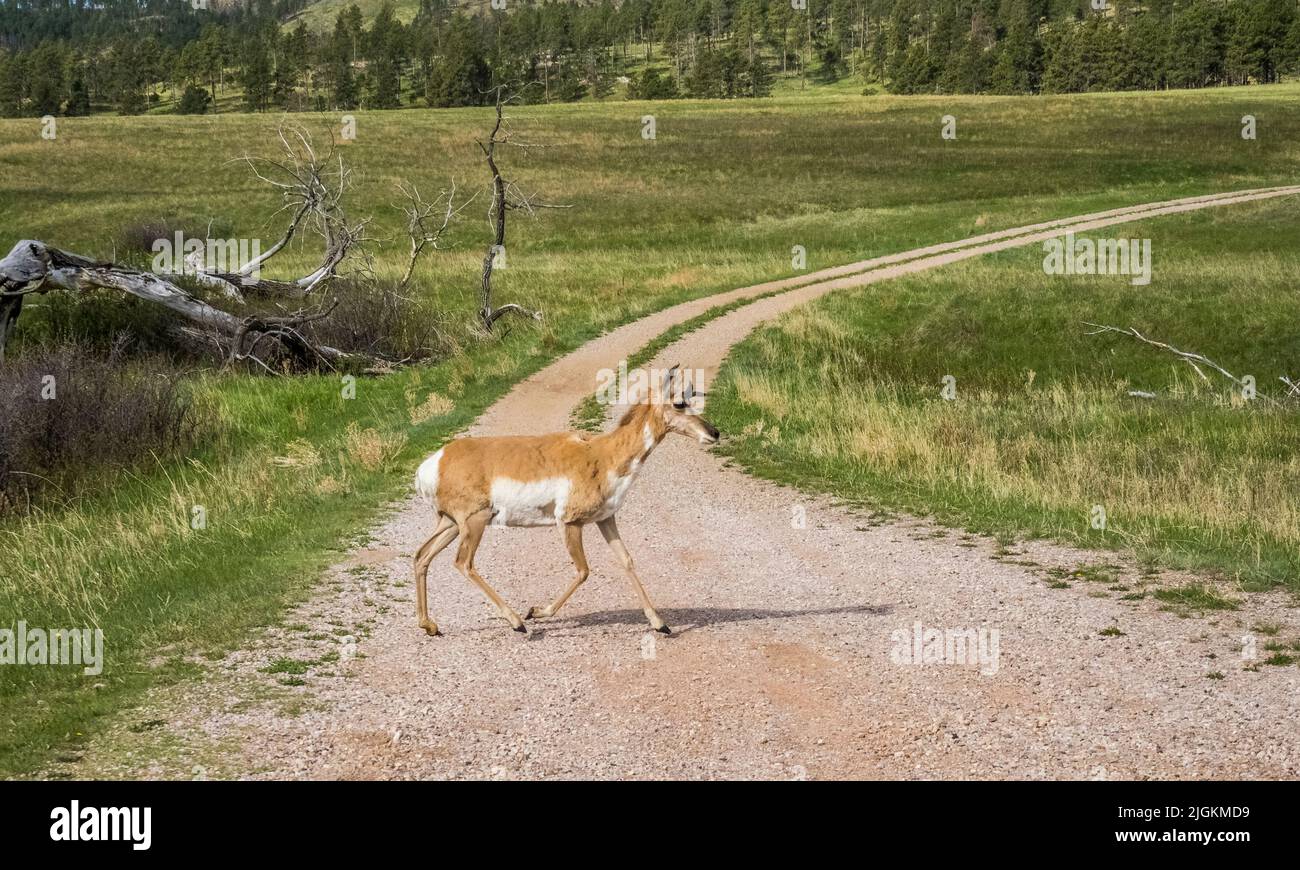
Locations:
{"points": [[287, 666], [845, 396], [1194, 598], [1087, 573], [293, 470]]}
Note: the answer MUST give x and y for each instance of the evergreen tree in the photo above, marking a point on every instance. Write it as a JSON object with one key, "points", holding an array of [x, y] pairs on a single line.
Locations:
{"points": [[344, 92], [78, 98], [460, 76], [650, 85], [13, 85], [384, 46], [45, 79], [194, 101], [256, 77], [127, 83]]}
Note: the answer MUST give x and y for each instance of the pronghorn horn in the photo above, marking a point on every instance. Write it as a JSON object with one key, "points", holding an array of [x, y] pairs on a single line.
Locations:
{"points": [[666, 388]]}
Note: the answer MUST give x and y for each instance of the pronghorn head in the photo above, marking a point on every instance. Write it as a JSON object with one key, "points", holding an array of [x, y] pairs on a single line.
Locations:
{"points": [[677, 407]]}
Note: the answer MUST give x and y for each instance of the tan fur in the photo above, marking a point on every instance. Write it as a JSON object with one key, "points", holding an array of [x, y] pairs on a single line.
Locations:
{"points": [[590, 473]]}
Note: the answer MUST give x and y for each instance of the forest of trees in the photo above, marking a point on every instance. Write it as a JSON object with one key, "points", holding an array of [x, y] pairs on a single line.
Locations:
{"points": [[74, 56]]}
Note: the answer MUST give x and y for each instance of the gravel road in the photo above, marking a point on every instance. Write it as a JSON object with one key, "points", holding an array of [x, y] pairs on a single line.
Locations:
{"points": [[785, 659]]}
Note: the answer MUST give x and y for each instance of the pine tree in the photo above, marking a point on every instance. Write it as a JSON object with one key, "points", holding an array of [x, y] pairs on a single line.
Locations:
{"points": [[256, 77], [385, 58], [194, 101], [128, 89], [460, 77], [13, 84], [758, 78], [78, 97], [45, 84], [650, 85], [343, 94]]}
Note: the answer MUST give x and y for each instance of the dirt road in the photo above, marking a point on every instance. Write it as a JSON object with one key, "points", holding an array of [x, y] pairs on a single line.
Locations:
{"points": [[784, 662]]}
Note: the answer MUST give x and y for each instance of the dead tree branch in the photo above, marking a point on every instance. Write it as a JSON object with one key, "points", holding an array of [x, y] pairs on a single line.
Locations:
{"points": [[1195, 360], [312, 187], [426, 222]]}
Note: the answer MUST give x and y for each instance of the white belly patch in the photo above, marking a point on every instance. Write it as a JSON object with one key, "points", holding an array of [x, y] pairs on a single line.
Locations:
{"points": [[531, 503]]}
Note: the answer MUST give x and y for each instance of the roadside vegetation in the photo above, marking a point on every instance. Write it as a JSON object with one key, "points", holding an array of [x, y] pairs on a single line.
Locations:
{"points": [[286, 469], [1050, 423]]}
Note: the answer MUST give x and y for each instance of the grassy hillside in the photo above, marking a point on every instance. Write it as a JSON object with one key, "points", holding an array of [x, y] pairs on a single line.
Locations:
{"points": [[716, 201], [319, 16]]}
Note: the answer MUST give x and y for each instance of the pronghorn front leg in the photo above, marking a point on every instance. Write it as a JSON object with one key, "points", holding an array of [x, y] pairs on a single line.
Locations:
{"points": [[573, 540], [443, 535], [472, 533], [609, 529]]}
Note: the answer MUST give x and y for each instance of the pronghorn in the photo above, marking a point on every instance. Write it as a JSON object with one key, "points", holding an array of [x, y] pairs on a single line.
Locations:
{"points": [[566, 479]]}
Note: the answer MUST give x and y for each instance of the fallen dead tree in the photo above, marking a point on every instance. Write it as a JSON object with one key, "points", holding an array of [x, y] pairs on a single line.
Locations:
{"points": [[312, 187], [34, 267]]}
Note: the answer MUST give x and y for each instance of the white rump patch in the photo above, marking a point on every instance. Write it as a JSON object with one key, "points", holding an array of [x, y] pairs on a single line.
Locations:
{"points": [[531, 503], [426, 478]]}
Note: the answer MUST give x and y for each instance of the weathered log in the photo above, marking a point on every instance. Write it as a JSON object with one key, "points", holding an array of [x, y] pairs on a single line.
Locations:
{"points": [[35, 267]]}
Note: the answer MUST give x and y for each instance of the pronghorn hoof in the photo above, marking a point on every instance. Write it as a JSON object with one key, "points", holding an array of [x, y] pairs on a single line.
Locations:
{"points": [[521, 629], [663, 629], [431, 630], [532, 611]]}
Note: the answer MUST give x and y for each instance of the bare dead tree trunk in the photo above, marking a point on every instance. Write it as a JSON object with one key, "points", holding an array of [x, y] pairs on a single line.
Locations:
{"points": [[505, 197]]}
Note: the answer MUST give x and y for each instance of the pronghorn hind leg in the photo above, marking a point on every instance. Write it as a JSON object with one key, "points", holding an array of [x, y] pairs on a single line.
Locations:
{"points": [[609, 529], [443, 535], [471, 531], [573, 540]]}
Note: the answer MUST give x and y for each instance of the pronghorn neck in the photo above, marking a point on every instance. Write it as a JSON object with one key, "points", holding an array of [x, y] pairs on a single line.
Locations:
{"points": [[635, 437]]}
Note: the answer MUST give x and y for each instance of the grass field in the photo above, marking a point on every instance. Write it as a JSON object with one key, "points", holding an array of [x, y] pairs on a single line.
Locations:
{"points": [[716, 201], [846, 396]]}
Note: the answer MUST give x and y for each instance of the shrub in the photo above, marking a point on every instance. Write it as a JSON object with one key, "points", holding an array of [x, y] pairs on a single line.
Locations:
{"points": [[650, 85], [70, 413], [194, 101], [373, 317]]}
